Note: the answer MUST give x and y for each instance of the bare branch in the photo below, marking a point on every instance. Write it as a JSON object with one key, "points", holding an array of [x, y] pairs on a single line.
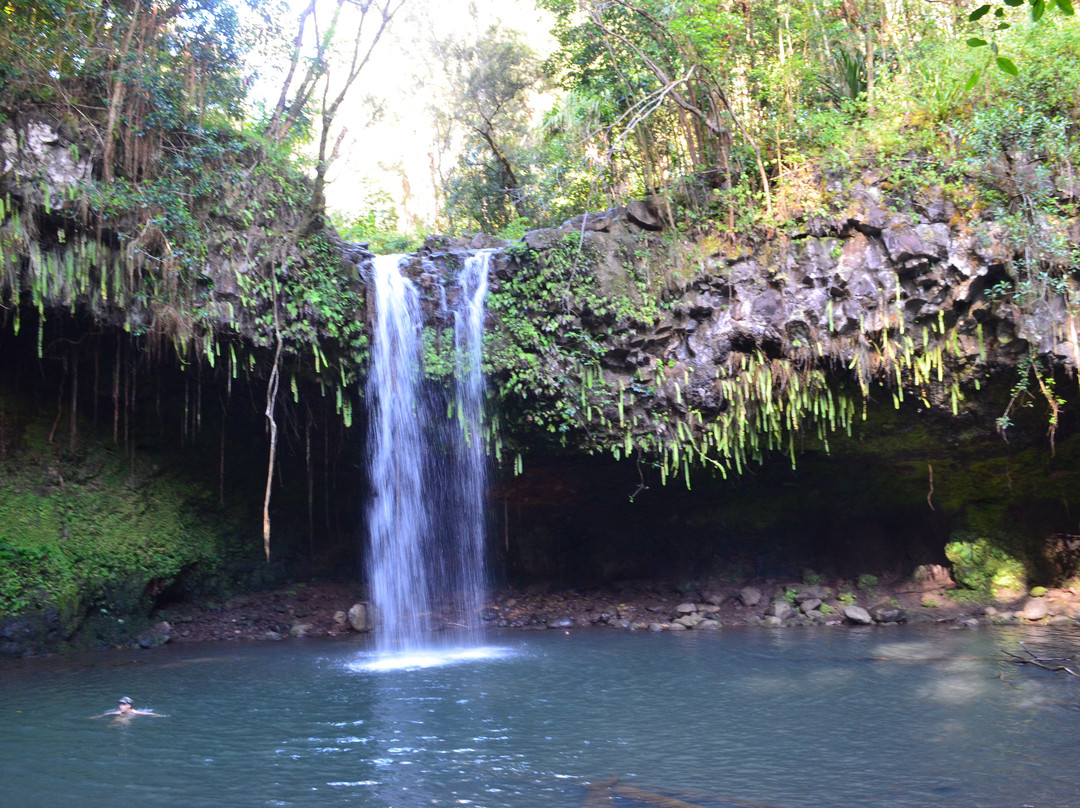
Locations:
{"points": [[1053, 664], [386, 9], [294, 60]]}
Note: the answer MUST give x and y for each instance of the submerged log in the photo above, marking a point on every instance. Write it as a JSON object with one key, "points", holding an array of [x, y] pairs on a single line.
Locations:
{"points": [[651, 797], [600, 795], [603, 794]]}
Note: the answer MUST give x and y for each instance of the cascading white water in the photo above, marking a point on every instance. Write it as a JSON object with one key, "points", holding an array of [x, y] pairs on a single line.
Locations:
{"points": [[428, 473], [397, 517], [471, 479]]}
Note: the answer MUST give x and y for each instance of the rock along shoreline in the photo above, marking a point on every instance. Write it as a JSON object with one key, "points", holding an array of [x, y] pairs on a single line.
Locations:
{"points": [[330, 610]]}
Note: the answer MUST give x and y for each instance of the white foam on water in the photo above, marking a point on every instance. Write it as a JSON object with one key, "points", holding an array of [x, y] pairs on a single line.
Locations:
{"points": [[415, 659]]}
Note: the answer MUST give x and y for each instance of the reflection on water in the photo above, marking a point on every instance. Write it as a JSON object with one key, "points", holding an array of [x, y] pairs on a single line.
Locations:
{"points": [[891, 717], [425, 658]]}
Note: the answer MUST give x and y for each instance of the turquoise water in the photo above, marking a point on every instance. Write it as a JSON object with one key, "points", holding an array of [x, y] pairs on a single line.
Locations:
{"points": [[884, 717]]}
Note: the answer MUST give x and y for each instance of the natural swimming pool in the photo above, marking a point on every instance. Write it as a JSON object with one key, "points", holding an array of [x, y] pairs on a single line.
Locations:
{"points": [[901, 716]]}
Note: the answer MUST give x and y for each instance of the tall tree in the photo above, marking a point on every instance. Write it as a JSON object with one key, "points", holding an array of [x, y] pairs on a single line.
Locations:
{"points": [[492, 80], [334, 61]]}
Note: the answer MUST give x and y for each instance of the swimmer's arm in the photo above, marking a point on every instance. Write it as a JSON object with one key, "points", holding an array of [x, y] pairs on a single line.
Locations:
{"points": [[111, 712], [149, 712]]}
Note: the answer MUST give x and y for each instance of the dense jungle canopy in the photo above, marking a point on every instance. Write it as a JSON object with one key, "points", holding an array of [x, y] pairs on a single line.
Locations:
{"points": [[173, 283]]}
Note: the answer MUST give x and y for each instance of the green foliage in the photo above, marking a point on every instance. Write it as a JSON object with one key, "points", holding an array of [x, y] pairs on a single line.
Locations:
{"points": [[187, 67], [492, 79], [929, 603], [440, 357], [847, 598], [376, 223], [195, 229], [848, 82], [867, 582], [984, 566], [999, 18]]}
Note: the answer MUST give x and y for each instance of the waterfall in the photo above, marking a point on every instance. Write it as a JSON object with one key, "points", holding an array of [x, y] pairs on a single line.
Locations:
{"points": [[471, 479], [427, 471], [397, 517]]}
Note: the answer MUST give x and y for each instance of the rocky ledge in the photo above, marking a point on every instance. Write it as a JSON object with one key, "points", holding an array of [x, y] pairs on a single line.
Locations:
{"points": [[928, 597], [334, 610]]}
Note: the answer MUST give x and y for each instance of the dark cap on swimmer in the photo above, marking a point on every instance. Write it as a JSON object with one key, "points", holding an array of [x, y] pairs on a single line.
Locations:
{"points": [[125, 700]]}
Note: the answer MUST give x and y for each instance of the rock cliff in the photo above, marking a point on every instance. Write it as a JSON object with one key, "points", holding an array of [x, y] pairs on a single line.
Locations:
{"points": [[889, 374]]}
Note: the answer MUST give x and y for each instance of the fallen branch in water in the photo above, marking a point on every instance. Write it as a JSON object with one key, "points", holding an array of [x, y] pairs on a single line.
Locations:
{"points": [[1053, 664]]}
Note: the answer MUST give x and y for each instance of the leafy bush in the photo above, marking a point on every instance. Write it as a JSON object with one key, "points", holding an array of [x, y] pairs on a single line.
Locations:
{"points": [[376, 223], [867, 582], [984, 567]]}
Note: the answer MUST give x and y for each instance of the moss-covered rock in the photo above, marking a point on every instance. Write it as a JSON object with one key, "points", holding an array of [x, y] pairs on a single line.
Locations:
{"points": [[91, 536]]}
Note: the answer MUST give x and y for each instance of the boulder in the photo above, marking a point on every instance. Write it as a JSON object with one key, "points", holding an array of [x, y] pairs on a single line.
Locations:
{"points": [[562, 621], [809, 605], [931, 577], [152, 639], [361, 617], [750, 596], [1070, 610], [644, 215], [857, 615], [300, 629], [781, 609], [540, 239], [887, 613], [685, 608], [1035, 609], [815, 592]]}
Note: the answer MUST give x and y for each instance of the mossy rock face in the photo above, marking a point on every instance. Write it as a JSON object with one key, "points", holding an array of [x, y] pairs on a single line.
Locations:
{"points": [[90, 537], [984, 566]]}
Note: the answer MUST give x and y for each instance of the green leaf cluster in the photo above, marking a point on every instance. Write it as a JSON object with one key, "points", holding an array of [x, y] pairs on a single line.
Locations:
{"points": [[984, 566]]}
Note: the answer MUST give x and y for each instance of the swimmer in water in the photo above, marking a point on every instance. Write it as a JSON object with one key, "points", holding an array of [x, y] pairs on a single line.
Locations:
{"points": [[124, 712]]}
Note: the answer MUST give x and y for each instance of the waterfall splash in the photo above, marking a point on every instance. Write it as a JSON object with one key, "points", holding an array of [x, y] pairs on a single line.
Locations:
{"points": [[427, 472]]}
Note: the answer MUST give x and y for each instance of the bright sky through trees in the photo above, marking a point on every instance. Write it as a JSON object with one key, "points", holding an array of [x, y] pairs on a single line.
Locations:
{"points": [[390, 145]]}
